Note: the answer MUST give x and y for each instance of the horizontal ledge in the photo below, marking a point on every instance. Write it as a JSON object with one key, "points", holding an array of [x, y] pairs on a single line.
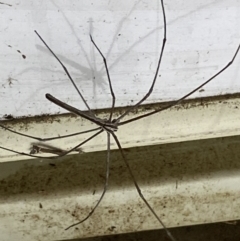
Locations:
{"points": [[186, 183], [192, 120]]}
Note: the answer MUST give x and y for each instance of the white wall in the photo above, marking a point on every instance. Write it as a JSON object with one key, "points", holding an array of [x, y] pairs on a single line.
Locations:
{"points": [[202, 37]]}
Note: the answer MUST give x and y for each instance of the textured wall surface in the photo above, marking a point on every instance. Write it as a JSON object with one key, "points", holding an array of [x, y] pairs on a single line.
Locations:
{"points": [[201, 38]]}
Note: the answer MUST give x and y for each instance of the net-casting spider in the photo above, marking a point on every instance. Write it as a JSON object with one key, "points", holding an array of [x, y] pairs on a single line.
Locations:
{"points": [[110, 125]]}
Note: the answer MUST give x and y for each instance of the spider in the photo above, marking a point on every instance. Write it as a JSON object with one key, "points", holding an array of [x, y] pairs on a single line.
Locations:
{"points": [[109, 125]]}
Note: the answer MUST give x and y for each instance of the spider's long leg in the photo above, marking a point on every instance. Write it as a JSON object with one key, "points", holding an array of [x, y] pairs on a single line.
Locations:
{"points": [[66, 71], [105, 185], [139, 190], [49, 138], [157, 70], [108, 76], [53, 157], [185, 96]]}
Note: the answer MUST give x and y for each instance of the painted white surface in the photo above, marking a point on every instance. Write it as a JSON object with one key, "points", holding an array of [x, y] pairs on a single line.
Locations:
{"points": [[202, 37]]}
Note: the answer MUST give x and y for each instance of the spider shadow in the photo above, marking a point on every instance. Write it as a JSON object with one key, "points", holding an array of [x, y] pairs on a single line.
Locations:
{"points": [[91, 72]]}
